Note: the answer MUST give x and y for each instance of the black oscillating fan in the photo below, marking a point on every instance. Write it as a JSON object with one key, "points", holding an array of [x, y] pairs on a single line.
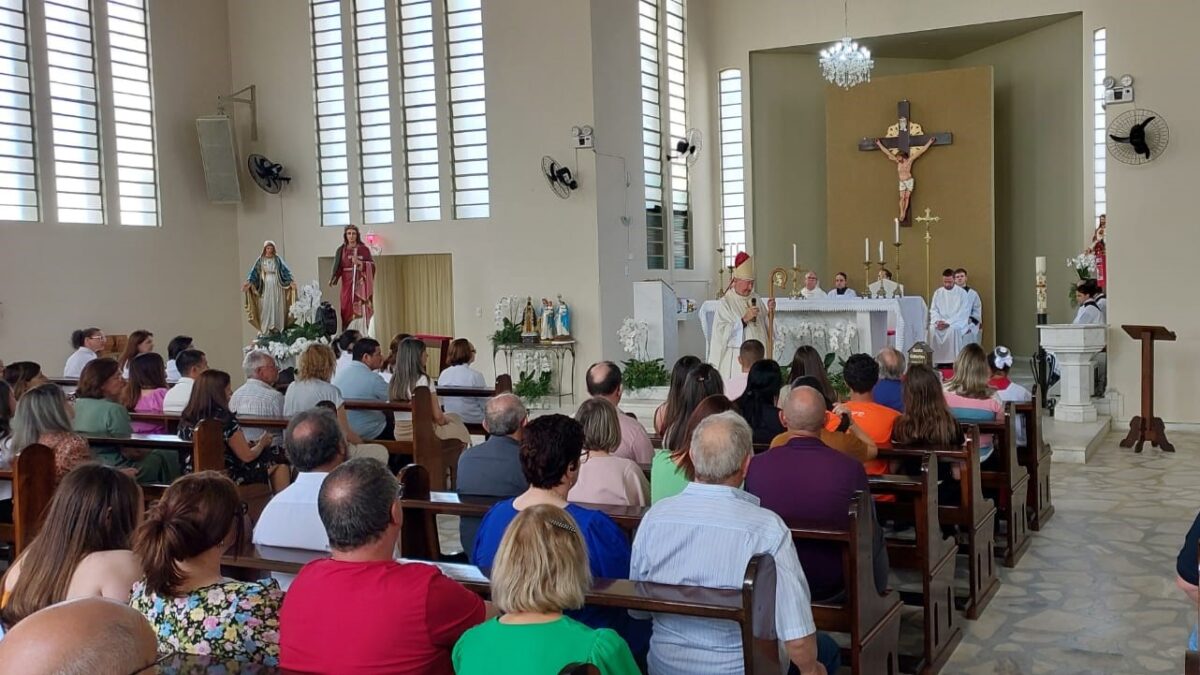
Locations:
{"points": [[267, 175]]}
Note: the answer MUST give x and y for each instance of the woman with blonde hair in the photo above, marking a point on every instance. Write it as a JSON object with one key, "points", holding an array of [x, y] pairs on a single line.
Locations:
{"points": [[541, 570], [603, 477], [409, 373], [970, 396], [313, 387]]}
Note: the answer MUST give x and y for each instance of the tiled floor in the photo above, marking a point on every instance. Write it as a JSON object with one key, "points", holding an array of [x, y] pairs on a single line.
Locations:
{"points": [[1095, 592]]}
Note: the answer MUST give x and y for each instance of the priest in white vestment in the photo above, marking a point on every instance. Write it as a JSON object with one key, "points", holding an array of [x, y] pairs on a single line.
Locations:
{"points": [[738, 318], [840, 290], [960, 280], [950, 326], [812, 289]]}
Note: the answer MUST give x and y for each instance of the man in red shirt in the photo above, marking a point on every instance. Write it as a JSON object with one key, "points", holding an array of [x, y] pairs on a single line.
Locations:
{"points": [[861, 373], [361, 611]]}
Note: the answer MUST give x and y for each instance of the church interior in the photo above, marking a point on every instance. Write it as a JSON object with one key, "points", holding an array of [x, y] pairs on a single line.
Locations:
{"points": [[507, 167]]}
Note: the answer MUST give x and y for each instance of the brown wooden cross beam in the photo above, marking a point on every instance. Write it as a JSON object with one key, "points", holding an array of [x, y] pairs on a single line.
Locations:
{"points": [[902, 141]]}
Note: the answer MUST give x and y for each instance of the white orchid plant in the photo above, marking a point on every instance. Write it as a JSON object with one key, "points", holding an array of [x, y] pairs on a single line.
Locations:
{"points": [[305, 331], [640, 372], [534, 371], [507, 314], [1086, 265]]}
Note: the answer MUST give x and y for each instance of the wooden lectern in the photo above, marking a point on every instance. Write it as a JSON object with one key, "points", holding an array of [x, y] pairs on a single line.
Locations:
{"points": [[1147, 427]]}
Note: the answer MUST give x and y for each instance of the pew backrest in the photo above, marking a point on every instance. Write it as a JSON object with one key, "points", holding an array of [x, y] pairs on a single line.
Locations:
{"points": [[32, 477]]}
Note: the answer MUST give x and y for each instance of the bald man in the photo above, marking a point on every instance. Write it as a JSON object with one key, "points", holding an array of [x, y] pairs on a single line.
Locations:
{"points": [[92, 635], [811, 484]]}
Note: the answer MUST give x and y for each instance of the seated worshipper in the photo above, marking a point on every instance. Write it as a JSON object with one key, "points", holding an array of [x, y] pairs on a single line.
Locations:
{"points": [[927, 422], [969, 396], [861, 374], [887, 390], [950, 326], [191, 362], [668, 410], [43, 417], [840, 290], [810, 484], [312, 386], [87, 343], [362, 611], [139, 342], [604, 476], [550, 457], [244, 463], [389, 364], [358, 379], [345, 347], [1000, 362], [8, 409], [960, 280], [541, 570], [759, 404], [83, 547], [812, 289], [258, 397], [23, 376], [193, 609], [672, 469], [493, 468], [460, 356], [808, 362], [91, 635], [145, 388], [736, 318], [409, 374], [1187, 577], [97, 413], [604, 381], [705, 536], [752, 352], [177, 344], [1087, 294], [846, 437], [701, 382]]}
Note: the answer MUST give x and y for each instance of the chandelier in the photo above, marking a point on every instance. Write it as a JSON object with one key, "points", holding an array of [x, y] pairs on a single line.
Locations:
{"points": [[845, 63]]}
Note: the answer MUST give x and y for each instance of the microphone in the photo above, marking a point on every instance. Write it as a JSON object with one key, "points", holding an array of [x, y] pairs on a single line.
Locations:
{"points": [[754, 302]]}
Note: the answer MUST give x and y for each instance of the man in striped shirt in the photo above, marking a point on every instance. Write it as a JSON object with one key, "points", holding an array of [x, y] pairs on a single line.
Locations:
{"points": [[706, 536]]}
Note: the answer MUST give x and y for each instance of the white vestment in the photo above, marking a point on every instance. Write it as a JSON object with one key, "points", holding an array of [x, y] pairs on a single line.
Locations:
{"points": [[814, 294], [976, 317], [953, 307], [728, 333], [846, 294], [1090, 312]]}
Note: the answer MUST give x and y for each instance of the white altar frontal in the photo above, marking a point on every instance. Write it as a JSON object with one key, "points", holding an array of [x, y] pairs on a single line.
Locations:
{"points": [[841, 326]]}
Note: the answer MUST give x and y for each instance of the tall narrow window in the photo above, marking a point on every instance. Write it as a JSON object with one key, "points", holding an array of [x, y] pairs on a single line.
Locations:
{"points": [[333, 169], [468, 112], [681, 225], [18, 174], [1099, 67], [733, 192], [70, 55], [652, 146], [374, 111], [419, 84], [133, 111]]}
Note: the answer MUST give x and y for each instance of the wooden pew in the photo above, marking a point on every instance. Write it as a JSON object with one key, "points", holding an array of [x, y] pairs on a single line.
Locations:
{"points": [[1009, 481], [973, 516], [32, 477], [871, 619], [752, 606], [1035, 457], [503, 385], [931, 554]]}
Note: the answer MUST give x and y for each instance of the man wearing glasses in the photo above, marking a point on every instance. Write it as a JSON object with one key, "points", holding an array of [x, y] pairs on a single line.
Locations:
{"points": [[87, 343]]}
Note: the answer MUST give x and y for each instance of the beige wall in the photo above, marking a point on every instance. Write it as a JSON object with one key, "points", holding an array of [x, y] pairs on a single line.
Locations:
{"points": [[178, 278], [1151, 211]]}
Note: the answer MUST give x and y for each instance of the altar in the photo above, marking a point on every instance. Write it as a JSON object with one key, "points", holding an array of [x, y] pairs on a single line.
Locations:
{"points": [[841, 326]]}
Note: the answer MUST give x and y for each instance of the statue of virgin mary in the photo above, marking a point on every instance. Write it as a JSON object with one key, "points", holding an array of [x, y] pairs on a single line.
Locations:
{"points": [[270, 291]]}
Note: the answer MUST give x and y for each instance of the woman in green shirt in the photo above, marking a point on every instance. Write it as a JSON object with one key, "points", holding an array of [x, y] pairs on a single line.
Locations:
{"points": [[97, 413], [671, 470], [541, 569]]}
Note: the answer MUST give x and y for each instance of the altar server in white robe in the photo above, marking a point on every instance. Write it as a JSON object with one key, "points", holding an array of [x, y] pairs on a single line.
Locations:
{"points": [[740, 316], [1091, 305], [812, 288], [840, 290], [960, 280], [950, 326]]}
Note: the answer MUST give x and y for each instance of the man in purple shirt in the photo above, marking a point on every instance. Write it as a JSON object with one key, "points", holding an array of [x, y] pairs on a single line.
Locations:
{"points": [[810, 484]]}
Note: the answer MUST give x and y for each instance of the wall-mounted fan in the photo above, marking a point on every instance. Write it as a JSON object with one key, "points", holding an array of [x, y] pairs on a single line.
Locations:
{"points": [[266, 174], [562, 183], [1138, 136], [689, 146]]}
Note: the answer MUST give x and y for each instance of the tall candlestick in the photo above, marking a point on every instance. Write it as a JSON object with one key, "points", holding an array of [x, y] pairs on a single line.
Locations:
{"points": [[881, 251], [794, 255], [867, 249], [896, 221]]}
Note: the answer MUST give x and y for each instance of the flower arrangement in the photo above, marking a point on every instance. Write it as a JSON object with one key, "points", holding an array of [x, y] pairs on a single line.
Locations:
{"points": [[640, 372], [507, 314], [304, 331], [533, 375], [1086, 266]]}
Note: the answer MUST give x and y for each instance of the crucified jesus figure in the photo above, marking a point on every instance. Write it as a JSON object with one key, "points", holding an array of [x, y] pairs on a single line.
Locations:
{"points": [[904, 162]]}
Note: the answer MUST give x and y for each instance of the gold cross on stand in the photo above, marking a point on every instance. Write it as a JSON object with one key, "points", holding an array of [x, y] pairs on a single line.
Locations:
{"points": [[927, 220]]}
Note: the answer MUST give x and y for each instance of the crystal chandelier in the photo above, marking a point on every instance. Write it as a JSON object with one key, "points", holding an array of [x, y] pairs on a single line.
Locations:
{"points": [[845, 63]]}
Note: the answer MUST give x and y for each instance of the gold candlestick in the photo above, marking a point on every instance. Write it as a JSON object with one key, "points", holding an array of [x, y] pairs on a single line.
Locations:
{"points": [[795, 283], [867, 278], [896, 272], [721, 272]]}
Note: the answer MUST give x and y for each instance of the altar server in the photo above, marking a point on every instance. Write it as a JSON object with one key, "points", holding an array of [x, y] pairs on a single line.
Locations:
{"points": [[950, 324], [840, 290]]}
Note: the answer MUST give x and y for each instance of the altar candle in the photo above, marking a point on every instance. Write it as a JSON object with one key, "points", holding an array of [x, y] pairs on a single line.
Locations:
{"points": [[897, 222], [794, 256], [867, 249], [881, 250], [1040, 264]]}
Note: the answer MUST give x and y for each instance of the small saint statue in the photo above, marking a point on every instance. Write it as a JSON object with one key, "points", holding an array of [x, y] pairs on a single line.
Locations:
{"points": [[547, 324], [562, 316], [528, 318]]}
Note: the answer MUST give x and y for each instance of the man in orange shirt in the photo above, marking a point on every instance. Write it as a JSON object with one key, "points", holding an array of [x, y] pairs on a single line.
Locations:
{"points": [[861, 373]]}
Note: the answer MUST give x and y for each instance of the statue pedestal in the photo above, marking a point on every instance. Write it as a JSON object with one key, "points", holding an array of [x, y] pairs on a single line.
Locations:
{"points": [[1075, 346]]}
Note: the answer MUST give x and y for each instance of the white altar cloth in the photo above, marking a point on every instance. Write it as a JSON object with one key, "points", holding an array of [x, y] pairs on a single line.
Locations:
{"points": [[842, 326]]}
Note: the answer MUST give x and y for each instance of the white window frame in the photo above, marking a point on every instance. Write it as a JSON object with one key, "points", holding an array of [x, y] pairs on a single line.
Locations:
{"points": [[730, 100], [1099, 124], [668, 230]]}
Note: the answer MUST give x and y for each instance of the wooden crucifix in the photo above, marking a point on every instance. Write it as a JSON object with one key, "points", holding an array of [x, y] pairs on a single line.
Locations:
{"points": [[897, 145]]}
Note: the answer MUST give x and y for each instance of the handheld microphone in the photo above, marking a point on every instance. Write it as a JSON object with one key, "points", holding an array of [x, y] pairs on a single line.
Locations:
{"points": [[754, 302]]}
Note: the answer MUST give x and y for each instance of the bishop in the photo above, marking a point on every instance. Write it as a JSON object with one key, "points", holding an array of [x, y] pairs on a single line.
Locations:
{"points": [[737, 319]]}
